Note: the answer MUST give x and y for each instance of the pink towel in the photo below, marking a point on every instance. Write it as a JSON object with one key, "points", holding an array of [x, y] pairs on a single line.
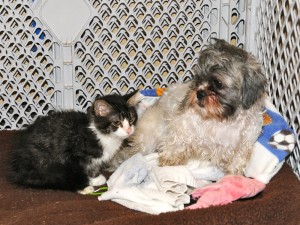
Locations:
{"points": [[226, 190]]}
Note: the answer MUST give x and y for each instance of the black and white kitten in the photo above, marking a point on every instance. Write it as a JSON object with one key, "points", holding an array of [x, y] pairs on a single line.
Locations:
{"points": [[67, 149]]}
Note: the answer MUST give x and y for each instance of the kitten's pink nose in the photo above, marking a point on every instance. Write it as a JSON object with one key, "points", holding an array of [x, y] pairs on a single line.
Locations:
{"points": [[129, 130]]}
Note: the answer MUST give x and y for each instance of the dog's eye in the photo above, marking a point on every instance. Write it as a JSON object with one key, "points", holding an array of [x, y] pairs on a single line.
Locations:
{"points": [[218, 84], [215, 67]]}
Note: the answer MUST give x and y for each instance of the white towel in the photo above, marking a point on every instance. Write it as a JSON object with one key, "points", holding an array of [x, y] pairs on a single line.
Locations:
{"points": [[173, 179], [141, 185], [145, 200], [132, 186]]}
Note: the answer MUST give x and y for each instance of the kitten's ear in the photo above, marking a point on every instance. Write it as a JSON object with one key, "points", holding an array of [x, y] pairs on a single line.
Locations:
{"points": [[102, 108], [133, 98]]}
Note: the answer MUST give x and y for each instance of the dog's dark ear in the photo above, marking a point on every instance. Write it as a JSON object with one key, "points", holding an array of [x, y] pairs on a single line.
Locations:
{"points": [[254, 83], [218, 43]]}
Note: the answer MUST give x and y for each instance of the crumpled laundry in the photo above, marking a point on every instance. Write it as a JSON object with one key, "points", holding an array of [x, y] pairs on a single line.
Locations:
{"points": [[141, 185]]}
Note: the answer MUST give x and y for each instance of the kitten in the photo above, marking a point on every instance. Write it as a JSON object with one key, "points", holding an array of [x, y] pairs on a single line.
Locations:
{"points": [[67, 149]]}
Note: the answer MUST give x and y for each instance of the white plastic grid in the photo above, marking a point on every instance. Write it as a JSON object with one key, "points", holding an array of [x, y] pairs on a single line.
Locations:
{"points": [[147, 44], [27, 66], [278, 47], [124, 45]]}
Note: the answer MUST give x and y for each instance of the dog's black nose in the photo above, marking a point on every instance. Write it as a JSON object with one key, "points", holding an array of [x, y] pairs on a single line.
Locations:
{"points": [[201, 94]]}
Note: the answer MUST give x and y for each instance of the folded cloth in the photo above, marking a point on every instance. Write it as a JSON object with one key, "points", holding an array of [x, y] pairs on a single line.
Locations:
{"points": [[141, 185], [226, 190], [203, 171], [146, 200], [173, 179], [275, 143], [132, 186]]}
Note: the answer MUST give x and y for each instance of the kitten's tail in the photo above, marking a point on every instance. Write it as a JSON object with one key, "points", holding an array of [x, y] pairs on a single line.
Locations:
{"points": [[56, 176]]}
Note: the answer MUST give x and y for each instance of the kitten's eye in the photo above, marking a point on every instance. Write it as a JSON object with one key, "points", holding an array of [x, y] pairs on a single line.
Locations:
{"points": [[116, 123], [218, 84], [131, 120]]}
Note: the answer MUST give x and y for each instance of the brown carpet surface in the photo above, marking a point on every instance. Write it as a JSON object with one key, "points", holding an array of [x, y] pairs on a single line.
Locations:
{"points": [[278, 204]]}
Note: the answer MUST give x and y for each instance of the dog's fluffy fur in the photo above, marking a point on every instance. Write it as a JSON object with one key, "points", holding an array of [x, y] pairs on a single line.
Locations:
{"points": [[215, 117]]}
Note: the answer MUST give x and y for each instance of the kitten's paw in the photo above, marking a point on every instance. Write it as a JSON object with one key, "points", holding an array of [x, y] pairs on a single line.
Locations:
{"points": [[97, 181], [87, 190]]}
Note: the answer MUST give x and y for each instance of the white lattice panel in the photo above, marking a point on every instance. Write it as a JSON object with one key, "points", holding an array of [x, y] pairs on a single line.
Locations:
{"points": [[27, 81], [278, 47], [146, 44]]}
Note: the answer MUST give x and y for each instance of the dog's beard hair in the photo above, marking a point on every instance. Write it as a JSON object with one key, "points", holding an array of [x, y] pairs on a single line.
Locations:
{"points": [[210, 107]]}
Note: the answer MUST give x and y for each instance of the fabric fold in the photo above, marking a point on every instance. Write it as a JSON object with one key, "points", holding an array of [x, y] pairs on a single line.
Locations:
{"points": [[141, 185]]}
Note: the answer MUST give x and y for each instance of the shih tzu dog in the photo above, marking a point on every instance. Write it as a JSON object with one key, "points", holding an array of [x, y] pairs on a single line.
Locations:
{"points": [[216, 117]]}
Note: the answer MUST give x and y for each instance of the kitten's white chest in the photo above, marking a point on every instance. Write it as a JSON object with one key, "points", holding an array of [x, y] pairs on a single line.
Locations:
{"points": [[110, 144]]}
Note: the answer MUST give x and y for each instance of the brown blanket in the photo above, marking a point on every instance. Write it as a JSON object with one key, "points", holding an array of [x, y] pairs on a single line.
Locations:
{"points": [[278, 204]]}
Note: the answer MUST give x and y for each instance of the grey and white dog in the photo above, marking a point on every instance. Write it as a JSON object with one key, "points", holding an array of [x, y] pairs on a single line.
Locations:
{"points": [[216, 117]]}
